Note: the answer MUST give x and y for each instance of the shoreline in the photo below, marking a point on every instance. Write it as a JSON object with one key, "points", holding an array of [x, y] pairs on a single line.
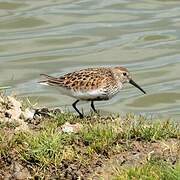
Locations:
{"points": [[51, 144]]}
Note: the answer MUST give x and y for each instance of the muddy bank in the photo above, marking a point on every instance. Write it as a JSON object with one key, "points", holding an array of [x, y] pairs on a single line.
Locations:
{"points": [[50, 144]]}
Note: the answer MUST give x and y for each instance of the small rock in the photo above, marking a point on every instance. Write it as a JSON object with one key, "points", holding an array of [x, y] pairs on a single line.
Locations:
{"points": [[7, 176], [42, 112], [57, 111], [14, 110], [71, 128], [28, 114], [14, 102], [1, 100], [22, 127], [20, 172]]}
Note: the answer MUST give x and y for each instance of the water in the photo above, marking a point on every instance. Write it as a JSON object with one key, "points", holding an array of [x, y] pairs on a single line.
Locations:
{"points": [[56, 37]]}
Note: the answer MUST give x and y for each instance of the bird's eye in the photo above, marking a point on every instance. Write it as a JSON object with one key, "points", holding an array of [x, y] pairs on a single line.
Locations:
{"points": [[124, 74]]}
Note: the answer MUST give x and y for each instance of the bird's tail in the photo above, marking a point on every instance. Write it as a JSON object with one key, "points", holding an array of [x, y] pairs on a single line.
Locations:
{"points": [[49, 80]]}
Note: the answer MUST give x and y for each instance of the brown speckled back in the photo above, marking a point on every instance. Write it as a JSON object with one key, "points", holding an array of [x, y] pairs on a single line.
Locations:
{"points": [[85, 79]]}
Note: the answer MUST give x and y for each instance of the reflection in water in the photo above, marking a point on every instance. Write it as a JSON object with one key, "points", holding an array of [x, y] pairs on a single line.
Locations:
{"points": [[58, 37]]}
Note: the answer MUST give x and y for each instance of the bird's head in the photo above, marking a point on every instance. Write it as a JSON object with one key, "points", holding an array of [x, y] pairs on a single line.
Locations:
{"points": [[123, 75]]}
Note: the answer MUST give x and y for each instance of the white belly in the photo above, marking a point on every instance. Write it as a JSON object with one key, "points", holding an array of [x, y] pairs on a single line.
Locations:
{"points": [[88, 95], [98, 94]]}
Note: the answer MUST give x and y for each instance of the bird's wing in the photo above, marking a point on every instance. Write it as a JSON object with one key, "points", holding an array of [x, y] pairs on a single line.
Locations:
{"points": [[91, 79]]}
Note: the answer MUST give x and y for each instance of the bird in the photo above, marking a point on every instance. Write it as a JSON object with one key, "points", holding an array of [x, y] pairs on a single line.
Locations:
{"points": [[91, 84]]}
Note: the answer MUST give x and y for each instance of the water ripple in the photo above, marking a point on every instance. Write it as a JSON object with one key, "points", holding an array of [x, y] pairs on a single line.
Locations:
{"points": [[56, 37]]}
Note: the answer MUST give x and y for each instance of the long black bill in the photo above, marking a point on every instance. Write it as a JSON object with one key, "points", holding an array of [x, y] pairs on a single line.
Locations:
{"points": [[134, 84]]}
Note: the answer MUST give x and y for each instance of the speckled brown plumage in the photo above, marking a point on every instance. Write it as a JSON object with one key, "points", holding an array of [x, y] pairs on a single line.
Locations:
{"points": [[91, 84], [84, 80]]}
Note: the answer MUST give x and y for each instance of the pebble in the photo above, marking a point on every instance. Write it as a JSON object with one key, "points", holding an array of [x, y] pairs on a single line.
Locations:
{"points": [[71, 128]]}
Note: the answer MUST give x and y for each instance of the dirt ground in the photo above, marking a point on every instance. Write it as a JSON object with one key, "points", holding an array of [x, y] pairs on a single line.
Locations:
{"points": [[101, 165]]}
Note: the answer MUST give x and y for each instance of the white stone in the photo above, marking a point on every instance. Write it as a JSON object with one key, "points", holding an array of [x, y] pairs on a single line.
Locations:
{"points": [[28, 114], [71, 128]]}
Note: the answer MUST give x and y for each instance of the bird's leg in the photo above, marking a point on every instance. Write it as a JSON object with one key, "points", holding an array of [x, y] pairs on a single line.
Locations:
{"points": [[77, 110], [92, 106]]}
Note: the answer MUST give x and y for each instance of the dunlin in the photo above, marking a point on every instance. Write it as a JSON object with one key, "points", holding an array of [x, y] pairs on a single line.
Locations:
{"points": [[91, 84]]}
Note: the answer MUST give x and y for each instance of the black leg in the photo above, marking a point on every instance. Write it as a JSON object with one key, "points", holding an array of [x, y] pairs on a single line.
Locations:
{"points": [[74, 106], [92, 106]]}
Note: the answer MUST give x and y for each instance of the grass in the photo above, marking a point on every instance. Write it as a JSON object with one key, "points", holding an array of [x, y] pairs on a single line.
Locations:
{"points": [[47, 150], [44, 149], [154, 169], [141, 128]]}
